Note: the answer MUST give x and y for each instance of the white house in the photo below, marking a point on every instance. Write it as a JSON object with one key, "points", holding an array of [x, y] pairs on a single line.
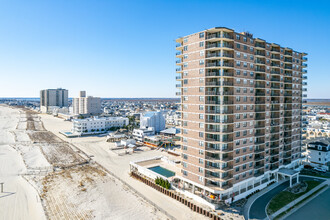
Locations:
{"points": [[318, 153], [139, 134], [97, 125]]}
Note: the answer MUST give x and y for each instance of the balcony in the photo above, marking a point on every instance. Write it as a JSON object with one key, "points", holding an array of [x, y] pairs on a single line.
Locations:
{"points": [[260, 94], [260, 45], [227, 83], [260, 78], [178, 85], [178, 45], [212, 83], [178, 93], [259, 53], [304, 65], [275, 72], [178, 62], [258, 85], [212, 102], [178, 77], [304, 59], [213, 64], [257, 69], [275, 79], [213, 73]]}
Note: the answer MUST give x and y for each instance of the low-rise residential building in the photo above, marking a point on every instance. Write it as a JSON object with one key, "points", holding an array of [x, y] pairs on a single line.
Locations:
{"points": [[318, 153], [97, 125], [139, 134]]}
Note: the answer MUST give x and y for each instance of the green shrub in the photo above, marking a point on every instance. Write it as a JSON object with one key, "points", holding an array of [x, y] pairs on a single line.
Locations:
{"points": [[163, 183]]}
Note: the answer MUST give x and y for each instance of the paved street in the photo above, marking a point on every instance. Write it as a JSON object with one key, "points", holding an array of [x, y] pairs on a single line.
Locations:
{"points": [[318, 208], [257, 210]]}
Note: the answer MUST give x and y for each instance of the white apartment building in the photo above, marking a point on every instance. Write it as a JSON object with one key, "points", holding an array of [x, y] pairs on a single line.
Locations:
{"points": [[86, 105], [318, 153], [139, 134], [97, 125], [155, 120]]}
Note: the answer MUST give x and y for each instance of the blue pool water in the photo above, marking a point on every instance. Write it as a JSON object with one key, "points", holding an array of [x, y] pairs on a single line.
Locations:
{"points": [[162, 171]]}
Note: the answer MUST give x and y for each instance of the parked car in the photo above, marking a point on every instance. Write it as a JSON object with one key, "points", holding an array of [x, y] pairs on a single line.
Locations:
{"points": [[320, 169]]}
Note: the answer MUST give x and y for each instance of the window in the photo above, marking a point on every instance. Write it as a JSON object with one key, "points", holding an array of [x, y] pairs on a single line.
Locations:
{"points": [[201, 53], [238, 72], [237, 37], [245, 47], [244, 39], [201, 116], [201, 62], [185, 48], [201, 161], [238, 63], [201, 35], [185, 56], [201, 89], [201, 170], [201, 98], [201, 71], [184, 164], [201, 107], [238, 54], [201, 44], [185, 173], [201, 179], [237, 151], [201, 125]]}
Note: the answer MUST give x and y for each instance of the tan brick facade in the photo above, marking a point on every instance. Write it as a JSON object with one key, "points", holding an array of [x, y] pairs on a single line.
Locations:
{"points": [[241, 101]]}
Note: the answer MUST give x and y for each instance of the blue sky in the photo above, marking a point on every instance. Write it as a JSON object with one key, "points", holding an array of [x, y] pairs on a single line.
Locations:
{"points": [[127, 48]]}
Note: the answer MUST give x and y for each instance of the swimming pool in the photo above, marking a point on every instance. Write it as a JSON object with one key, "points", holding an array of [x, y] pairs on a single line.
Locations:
{"points": [[162, 171]]}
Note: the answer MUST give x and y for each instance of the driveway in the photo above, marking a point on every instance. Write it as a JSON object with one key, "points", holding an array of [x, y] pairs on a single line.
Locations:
{"points": [[318, 208], [258, 207]]}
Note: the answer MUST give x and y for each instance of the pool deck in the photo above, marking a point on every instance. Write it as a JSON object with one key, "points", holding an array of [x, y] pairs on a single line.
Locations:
{"points": [[158, 162]]}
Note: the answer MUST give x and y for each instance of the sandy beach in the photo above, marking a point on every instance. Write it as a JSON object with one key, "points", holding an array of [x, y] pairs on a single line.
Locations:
{"points": [[48, 178]]}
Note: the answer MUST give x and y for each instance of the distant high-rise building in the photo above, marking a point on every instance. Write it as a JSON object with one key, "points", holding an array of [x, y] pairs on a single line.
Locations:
{"points": [[241, 105], [155, 120], [86, 105], [53, 98]]}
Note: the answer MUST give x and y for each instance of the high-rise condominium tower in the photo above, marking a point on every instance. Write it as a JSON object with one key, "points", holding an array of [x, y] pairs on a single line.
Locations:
{"points": [[241, 104], [86, 105], [53, 98]]}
